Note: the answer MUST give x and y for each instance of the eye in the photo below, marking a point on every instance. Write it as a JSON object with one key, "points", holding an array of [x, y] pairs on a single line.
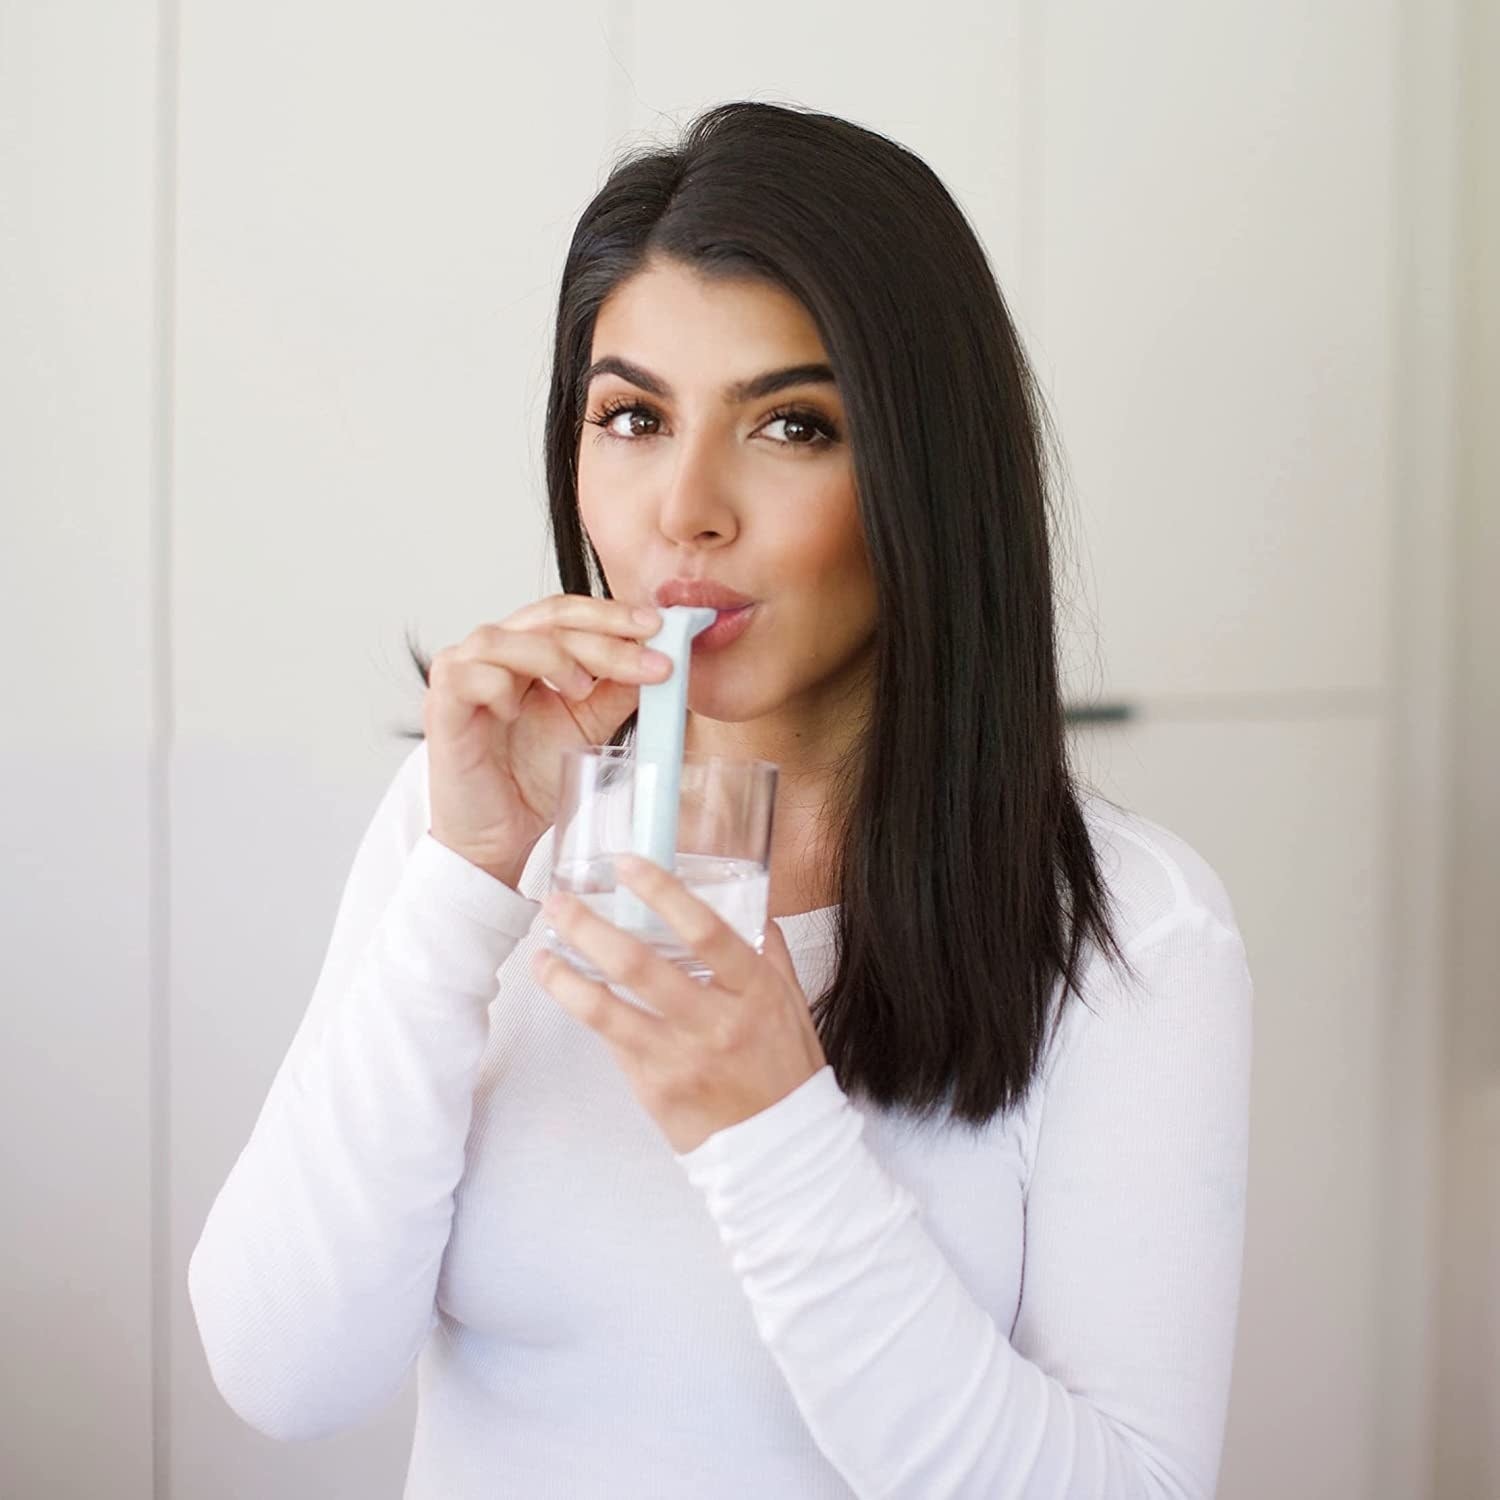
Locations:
{"points": [[815, 431], [619, 407]]}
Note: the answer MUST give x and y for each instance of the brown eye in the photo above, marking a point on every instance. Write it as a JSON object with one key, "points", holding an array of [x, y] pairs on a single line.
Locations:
{"points": [[802, 429], [631, 409], [795, 431], [637, 424]]}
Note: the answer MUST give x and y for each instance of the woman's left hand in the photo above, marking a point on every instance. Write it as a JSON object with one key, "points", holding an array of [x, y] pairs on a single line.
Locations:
{"points": [[720, 1051]]}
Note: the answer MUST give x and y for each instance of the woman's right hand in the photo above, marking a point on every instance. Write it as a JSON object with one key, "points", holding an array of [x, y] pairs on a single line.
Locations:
{"points": [[503, 704]]}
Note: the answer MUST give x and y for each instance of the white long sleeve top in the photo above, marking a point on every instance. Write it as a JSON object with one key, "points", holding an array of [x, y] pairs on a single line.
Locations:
{"points": [[822, 1300]]}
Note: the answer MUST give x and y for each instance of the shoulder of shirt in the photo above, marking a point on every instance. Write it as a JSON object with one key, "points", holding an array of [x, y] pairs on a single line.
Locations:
{"points": [[1154, 877], [1160, 888]]}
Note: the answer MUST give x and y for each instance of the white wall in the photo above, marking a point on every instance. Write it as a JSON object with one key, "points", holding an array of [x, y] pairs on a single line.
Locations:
{"points": [[1469, 1372], [81, 977], [276, 299]]}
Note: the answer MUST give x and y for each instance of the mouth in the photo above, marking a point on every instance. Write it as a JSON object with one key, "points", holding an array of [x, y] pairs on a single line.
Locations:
{"points": [[730, 625], [700, 593]]}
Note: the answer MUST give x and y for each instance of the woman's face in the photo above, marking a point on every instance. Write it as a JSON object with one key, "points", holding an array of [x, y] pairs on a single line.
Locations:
{"points": [[680, 476]]}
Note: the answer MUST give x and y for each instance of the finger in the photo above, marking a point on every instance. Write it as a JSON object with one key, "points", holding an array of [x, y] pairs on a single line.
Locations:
{"points": [[456, 688], [527, 655], [608, 656], [627, 1027], [628, 961], [560, 657], [463, 687], [586, 612], [735, 964]]}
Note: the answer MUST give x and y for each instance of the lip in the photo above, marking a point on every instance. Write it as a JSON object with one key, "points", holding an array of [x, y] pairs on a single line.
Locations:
{"points": [[701, 593], [730, 626]]}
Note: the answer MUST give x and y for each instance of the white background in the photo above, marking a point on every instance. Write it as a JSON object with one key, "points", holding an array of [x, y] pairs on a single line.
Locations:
{"points": [[276, 285]]}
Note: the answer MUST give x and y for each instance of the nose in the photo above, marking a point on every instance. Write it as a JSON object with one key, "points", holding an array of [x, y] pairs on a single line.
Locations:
{"points": [[697, 494]]}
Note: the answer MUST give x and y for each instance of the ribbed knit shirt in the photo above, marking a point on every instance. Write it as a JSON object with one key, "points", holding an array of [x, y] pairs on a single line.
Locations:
{"points": [[823, 1300]]}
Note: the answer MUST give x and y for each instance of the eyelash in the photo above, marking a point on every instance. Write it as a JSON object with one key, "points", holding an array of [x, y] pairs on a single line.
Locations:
{"points": [[802, 415]]}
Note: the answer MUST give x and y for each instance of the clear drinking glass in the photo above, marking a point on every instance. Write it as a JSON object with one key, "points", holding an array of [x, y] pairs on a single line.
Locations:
{"points": [[723, 853]]}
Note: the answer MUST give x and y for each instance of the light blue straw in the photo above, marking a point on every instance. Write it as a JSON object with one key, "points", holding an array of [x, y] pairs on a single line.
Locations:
{"points": [[660, 726]]}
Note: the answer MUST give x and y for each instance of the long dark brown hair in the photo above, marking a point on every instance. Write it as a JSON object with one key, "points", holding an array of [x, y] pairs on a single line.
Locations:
{"points": [[967, 883]]}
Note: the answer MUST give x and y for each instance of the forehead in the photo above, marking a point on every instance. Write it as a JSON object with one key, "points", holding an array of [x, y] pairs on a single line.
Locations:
{"points": [[671, 317]]}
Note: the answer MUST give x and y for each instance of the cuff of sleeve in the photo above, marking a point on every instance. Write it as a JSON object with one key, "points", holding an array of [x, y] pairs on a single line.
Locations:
{"points": [[738, 1148], [443, 872]]}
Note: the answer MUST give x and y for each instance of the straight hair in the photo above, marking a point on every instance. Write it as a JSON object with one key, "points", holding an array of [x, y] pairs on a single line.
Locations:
{"points": [[969, 891]]}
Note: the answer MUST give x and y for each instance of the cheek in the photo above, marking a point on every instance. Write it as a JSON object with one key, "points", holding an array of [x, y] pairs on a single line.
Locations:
{"points": [[822, 568], [607, 525], [824, 542]]}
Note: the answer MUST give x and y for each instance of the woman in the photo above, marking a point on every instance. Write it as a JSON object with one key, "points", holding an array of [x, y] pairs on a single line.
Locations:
{"points": [[944, 1197]]}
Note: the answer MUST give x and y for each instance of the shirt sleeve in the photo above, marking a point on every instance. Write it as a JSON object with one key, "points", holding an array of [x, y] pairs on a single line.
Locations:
{"points": [[313, 1281], [1114, 1382]]}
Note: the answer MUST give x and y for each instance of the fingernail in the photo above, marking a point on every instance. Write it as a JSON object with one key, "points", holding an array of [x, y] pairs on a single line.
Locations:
{"points": [[645, 616]]}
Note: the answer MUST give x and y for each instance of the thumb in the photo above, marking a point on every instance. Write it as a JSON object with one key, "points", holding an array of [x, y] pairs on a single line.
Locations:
{"points": [[776, 953]]}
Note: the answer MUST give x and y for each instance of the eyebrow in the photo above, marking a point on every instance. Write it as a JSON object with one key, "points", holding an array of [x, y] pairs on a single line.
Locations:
{"points": [[752, 389]]}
